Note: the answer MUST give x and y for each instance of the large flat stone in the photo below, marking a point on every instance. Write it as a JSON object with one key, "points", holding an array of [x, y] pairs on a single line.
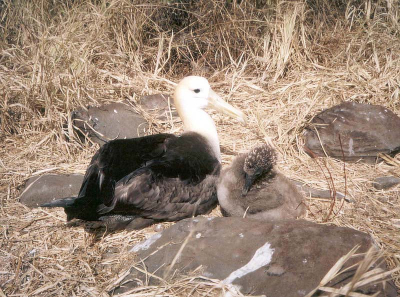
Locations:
{"points": [[108, 122], [282, 258], [365, 131], [46, 188]]}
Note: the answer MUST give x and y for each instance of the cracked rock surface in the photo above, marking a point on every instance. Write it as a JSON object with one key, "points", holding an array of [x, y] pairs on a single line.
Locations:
{"points": [[365, 131], [282, 258]]}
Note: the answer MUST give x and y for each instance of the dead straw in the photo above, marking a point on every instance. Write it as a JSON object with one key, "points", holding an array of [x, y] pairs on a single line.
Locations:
{"points": [[281, 62]]}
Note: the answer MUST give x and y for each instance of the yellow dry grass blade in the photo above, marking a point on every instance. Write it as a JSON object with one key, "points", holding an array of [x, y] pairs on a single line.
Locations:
{"points": [[334, 271]]}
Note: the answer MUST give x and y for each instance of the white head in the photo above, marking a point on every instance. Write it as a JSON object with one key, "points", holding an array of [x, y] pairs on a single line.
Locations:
{"points": [[192, 92], [192, 95], [195, 93]]}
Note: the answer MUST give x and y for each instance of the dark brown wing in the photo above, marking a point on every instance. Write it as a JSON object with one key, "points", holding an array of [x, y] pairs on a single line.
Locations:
{"points": [[111, 163], [163, 199], [117, 159], [172, 186]]}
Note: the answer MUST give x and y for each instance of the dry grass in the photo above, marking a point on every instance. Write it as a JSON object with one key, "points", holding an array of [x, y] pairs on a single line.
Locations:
{"points": [[281, 62], [368, 272]]}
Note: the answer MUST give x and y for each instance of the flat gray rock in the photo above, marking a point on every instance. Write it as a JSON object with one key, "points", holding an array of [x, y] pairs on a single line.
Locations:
{"points": [[365, 131], [46, 188], [108, 122], [159, 105], [385, 182], [155, 102], [282, 258], [318, 193]]}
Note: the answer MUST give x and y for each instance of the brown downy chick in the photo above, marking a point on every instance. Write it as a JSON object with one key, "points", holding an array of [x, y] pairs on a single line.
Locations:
{"points": [[252, 187]]}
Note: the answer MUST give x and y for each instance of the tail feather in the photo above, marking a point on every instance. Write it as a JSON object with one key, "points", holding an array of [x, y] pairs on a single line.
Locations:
{"points": [[64, 202]]}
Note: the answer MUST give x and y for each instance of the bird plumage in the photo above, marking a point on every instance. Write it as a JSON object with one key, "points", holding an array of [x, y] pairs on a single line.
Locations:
{"points": [[252, 187], [159, 177]]}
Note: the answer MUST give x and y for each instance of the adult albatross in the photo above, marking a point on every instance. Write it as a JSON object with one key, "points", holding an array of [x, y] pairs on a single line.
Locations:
{"points": [[135, 182]]}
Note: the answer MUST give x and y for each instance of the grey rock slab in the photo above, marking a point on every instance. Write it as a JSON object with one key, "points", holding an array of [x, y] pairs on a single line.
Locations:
{"points": [[155, 102], [365, 131], [108, 122], [159, 105], [385, 182], [281, 258], [46, 188], [318, 193]]}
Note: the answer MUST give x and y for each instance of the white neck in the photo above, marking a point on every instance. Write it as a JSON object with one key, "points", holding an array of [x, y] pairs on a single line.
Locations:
{"points": [[197, 120]]}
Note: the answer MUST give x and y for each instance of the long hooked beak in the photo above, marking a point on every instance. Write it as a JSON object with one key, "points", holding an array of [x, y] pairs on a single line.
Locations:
{"points": [[219, 104]]}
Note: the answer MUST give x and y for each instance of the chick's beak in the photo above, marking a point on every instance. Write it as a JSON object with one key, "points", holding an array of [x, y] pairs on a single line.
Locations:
{"points": [[220, 105], [249, 180]]}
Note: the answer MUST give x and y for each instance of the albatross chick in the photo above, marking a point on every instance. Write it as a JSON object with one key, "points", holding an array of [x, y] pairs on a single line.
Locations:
{"points": [[252, 187]]}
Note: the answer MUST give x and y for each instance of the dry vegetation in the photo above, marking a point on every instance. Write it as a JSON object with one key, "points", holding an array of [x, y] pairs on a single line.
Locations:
{"points": [[281, 62]]}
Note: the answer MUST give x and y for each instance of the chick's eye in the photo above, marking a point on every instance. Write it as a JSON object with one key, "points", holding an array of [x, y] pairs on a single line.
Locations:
{"points": [[196, 91]]}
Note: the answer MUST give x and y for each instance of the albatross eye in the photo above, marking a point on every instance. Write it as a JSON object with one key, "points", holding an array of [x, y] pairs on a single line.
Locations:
{"points": [[196, 91]]}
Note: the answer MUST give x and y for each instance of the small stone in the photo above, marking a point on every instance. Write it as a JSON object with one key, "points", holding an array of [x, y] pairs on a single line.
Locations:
{"points": [[385, 182], [158, 227]]}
